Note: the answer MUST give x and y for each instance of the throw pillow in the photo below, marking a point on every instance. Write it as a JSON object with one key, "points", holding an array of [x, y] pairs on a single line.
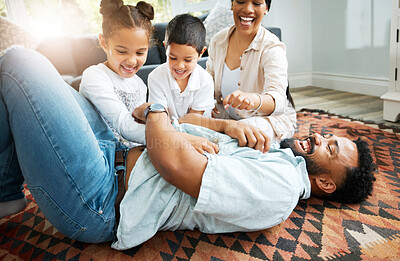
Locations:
{"points": [[12, 34], [220, 17]]}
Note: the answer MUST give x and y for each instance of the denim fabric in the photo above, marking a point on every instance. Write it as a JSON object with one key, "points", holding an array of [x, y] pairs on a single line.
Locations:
{"points": [[53, 138]]}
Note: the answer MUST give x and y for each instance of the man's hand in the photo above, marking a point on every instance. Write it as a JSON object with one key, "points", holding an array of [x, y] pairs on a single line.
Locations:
{"points": [[248, 135], [201, 144], [138, 112]]}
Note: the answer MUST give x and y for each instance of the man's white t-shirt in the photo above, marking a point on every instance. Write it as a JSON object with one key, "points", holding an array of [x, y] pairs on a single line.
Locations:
{"points": [[198, 95]]}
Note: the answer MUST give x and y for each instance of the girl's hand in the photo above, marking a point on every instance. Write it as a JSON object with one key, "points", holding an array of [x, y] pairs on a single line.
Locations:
{"points": [[242, 100], [201, 144]]}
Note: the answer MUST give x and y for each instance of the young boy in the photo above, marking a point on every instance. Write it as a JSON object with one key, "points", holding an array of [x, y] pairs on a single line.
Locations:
{"points": [[180, 84]]}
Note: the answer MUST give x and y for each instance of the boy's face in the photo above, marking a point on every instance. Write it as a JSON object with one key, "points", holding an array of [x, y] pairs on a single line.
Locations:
{"points": [[182, 59], [126, 50]]}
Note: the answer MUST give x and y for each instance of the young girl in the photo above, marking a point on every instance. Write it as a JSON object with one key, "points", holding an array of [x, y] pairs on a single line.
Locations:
{"points": [[113, 86]]}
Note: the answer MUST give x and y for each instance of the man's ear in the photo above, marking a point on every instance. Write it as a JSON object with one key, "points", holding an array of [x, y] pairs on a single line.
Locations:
{"points": [[324, 183]]}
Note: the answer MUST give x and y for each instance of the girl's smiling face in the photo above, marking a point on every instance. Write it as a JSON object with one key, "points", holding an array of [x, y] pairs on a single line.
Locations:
{"points": [[126, 50], [248, 14]]}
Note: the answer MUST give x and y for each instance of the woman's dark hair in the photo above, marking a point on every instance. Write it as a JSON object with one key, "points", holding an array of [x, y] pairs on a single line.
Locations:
{"points": [[358, 183], [268, 2], [116, 16], [188, 30], [289, 96]]}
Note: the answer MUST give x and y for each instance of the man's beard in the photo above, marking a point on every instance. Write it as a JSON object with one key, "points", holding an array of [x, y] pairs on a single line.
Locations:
{"points": [[312, 166]]}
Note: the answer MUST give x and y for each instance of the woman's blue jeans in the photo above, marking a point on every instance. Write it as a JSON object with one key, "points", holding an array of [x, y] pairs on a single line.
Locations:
{"points": [[54, 139]]}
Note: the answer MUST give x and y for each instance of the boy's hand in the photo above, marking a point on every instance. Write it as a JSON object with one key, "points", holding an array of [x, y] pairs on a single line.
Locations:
{"points": [[138, 112]]}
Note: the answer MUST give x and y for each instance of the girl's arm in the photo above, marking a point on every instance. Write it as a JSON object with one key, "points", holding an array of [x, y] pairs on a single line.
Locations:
{"points": [[98, 89], [156, 91]]}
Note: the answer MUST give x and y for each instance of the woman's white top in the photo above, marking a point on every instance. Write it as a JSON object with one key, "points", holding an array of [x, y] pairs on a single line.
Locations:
{"points": [[229, 84]]}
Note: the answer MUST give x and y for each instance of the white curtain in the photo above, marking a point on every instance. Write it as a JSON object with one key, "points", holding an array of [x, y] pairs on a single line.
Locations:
{"points": [[17, 12]]}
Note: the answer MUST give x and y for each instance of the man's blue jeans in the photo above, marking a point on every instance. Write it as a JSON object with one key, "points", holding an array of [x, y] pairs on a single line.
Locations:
{"points": [[54, 139]]}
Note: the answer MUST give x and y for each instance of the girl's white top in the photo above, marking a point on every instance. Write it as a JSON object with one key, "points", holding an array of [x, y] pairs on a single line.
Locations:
{"points": [[115, 97]]}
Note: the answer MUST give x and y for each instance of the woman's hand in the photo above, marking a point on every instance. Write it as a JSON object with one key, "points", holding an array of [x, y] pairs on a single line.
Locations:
{"points": [[242, 100], [201, 144], [248, 135]]}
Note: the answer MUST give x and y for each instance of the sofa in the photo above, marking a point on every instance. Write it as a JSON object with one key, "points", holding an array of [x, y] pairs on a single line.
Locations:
{"points": [[71, 55]]}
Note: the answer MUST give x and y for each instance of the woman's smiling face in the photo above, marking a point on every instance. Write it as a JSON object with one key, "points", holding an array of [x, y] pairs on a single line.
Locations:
{"points": [[248, 14]]}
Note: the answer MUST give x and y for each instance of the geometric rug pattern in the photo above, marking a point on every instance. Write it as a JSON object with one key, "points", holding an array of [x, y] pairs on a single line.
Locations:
{"points": [[316, 230]]}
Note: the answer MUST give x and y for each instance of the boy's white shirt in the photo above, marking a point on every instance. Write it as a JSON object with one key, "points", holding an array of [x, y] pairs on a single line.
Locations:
{"points": [[115, 98], [198, 95]]}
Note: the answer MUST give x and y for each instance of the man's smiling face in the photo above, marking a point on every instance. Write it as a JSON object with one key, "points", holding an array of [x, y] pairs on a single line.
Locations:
{"points": [[328, 153]]}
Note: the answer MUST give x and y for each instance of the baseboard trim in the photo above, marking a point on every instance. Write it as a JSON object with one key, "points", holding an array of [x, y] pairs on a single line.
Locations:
{"points": [[300, 79], [349, 83]]}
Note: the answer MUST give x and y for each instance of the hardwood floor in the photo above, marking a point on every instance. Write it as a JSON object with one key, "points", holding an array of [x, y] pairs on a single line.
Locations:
{"points": [[353, 105]]}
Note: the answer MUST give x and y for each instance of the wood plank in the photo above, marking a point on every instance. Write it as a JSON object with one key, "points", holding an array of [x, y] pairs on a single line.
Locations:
{"points": [[353, 105]]}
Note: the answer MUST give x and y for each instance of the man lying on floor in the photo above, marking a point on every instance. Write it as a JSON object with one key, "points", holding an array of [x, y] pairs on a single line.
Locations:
{"points": [[231, 188], [53, 139]]}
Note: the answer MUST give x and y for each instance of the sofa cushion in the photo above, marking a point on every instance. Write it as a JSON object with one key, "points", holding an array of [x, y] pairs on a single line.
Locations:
{"points": [[12, 34], [59, 51], [160, 29], [220, 17], [87, 52]]}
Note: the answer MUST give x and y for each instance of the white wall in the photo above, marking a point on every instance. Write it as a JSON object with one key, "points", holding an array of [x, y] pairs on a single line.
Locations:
{"points": [[350, 41], [341, 44], [294, 19]]}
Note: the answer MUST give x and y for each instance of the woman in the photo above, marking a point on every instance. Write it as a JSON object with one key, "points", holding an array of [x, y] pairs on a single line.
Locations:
{"points": [[249, 67]]}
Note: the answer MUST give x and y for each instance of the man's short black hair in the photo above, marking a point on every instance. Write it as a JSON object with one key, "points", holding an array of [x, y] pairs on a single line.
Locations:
{"points": [[188, 30], [358, 183]]}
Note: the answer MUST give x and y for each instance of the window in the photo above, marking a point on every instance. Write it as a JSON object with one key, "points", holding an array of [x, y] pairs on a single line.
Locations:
{"points": [[3, 9], [195, 7], [47, 18]]}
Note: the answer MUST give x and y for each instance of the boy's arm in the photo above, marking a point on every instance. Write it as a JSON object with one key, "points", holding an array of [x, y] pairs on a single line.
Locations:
{"points": [[194, 111], [203, 98]]}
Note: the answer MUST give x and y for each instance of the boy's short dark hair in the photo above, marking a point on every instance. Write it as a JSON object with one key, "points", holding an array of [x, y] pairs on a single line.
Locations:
{"points": [[188, 30]]}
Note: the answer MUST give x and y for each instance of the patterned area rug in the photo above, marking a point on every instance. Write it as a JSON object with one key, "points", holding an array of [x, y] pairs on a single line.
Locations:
{"points": [[316, 230]]}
